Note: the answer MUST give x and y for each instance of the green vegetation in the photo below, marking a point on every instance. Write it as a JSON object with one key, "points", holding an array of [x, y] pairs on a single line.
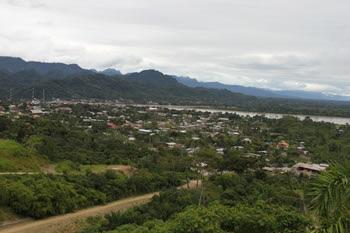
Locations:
{"points": [[245, 205], [247, 165], [68, 167], [153, 86], [220, 219], [95, 168], [15, 157], [331, 200], [6, 214], [41, 196]]}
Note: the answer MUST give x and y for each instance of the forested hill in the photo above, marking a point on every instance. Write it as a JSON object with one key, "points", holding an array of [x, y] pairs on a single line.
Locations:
{"points": [[72, 82], [142, 87], [50, 70]]}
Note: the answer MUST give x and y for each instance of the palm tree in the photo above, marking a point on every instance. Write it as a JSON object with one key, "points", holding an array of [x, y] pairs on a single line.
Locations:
{"points": [[330, 200]]}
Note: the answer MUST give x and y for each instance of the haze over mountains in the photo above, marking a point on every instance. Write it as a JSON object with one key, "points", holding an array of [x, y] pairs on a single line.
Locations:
{"points": [[260, 92], [70, 80]]}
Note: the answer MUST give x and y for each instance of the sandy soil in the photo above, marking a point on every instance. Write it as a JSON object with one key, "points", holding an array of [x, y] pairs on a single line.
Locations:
{"points": [[67, 223]]}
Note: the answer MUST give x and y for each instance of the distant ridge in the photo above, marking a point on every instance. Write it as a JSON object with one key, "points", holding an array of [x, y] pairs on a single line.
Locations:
{"points": [[14, 65], [55, 71], [63, 81], [260, 92], [70, 81]]}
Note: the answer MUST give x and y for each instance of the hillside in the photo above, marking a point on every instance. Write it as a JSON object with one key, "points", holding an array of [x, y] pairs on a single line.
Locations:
{"points": [[145, 86], [53, 70], [22, 76], [258, 92], [16, 158]]}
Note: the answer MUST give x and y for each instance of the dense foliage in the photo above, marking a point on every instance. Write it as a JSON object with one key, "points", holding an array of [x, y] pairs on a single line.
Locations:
{"points": [[243, 204], [42, 196], [73, 161], [330, 200]]}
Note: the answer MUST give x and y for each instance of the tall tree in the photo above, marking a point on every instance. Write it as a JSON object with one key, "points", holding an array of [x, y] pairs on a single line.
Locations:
{"points": [[330, 195]]}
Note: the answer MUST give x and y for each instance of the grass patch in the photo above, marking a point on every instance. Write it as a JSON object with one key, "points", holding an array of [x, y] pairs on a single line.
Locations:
{"points": [[73, 168], [67, 167], [99, 168], [70, 167], [14, 158]]}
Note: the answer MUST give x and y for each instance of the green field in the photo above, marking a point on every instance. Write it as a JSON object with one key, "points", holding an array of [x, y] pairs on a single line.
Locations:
{"points": [[72, 168], [15, 158]]}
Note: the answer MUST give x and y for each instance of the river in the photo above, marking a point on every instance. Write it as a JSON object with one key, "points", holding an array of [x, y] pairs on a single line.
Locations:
{"points": [[330, 119]]}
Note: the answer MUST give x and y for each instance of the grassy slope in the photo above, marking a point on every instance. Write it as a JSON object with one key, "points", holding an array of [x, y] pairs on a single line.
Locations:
{"points": [[15, 158], [67, 166]]}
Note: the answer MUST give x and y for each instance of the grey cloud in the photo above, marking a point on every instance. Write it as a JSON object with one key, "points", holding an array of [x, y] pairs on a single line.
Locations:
{"points": [[28, 3], [278, 44], [274, 62], [121, 61]]}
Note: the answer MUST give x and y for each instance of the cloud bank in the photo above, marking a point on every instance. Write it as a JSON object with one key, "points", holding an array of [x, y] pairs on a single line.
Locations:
{"points": [[278, 44]]}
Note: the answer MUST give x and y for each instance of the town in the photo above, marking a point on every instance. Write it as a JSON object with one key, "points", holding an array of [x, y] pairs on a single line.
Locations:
{"points": [[109, 150], [197, 116], [99, 152], [253, 139]]}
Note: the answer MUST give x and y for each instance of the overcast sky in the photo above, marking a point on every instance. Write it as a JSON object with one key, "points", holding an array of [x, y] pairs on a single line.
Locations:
{"points": [[282, 44]]}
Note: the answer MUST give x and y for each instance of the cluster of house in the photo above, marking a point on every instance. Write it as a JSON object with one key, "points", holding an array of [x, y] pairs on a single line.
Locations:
{"points": [[34, 108], [194, 127], [307, 169]]}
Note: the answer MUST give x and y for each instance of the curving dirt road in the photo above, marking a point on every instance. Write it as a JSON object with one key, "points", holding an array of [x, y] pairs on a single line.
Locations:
{"points": [[67, 223]]}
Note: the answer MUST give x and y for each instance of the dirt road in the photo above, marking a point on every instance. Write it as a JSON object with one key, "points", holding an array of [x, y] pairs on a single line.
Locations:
{"points": [[66, 223]]}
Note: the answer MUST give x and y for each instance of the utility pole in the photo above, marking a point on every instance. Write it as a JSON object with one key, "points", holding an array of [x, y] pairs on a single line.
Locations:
{"points": [[33, 93]]}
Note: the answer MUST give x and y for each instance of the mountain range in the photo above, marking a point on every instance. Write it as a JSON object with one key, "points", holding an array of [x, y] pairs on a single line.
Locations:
{"points": [[54, 71], [260, 92], [71, 81], [19, 78]]}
